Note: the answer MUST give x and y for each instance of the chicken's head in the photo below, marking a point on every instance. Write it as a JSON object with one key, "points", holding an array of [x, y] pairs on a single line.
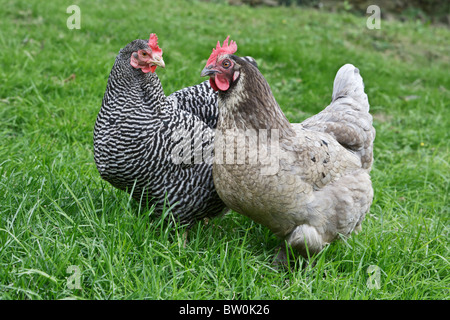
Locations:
{"points": [[149, 58], [220, 67]]}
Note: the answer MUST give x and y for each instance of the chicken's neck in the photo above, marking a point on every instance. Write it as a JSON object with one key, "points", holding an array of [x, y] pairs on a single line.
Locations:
{"points": [[151, 87], [250, 105], [144, 88]]}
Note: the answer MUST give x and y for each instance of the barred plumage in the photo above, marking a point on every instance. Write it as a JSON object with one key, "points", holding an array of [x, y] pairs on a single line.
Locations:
{"points": [[139, 130]]}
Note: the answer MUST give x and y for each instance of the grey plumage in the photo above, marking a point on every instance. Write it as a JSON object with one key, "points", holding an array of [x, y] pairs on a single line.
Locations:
{"points": [[320, 186], [139, 134]]}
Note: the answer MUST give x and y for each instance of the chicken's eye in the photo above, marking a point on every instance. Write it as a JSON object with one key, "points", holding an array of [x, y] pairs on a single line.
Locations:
{"points": [[226, 63], [144, 53]]}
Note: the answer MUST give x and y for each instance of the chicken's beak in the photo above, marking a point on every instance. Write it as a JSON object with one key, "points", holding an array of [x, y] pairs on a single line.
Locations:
{"points": [[158, 60], [208, 71]]}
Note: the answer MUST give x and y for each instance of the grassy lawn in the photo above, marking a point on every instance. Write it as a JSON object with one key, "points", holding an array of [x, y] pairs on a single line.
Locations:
{"points": [[56, 212]]}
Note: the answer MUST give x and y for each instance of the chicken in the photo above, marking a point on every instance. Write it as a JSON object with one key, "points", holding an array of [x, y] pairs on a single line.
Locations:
{"points": [[309, 182], [140, 143]]}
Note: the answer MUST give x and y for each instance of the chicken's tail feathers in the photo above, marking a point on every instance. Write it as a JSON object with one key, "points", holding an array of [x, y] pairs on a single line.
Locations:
{"points": [[350, 107], [347, 118], [349, 83]]}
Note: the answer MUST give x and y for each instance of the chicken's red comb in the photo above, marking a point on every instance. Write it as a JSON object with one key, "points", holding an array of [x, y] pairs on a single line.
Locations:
{"points": [[224, 49], [153, 44]]}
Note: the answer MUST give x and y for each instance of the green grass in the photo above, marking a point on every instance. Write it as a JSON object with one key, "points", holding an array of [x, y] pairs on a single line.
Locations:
{"points": [[56, 212]]}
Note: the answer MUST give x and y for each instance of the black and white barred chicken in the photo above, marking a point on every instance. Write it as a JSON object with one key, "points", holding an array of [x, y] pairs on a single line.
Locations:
{"points": [[140, 143], [316, 184]]}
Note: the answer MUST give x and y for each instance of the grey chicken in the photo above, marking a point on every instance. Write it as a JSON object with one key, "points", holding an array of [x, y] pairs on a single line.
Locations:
{"points": [[140, 143], [309, 182]]}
